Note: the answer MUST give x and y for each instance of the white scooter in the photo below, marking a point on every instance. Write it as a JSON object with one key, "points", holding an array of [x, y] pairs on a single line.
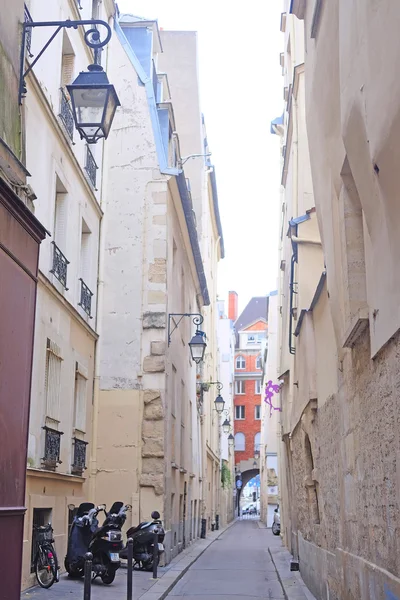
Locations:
{"points": [[276, 525]]}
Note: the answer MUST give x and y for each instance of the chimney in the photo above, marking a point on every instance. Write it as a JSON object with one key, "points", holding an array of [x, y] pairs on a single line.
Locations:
{"points": [[233, 306]]}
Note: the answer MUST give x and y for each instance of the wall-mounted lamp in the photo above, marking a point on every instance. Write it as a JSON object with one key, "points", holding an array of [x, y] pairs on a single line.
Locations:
{"points": [[256, 454], [231, 440], [93, 99], [226, 426], [198, 342]]}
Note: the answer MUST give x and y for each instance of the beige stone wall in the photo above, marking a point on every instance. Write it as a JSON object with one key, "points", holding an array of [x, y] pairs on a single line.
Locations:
{"points": [[340, 485]]}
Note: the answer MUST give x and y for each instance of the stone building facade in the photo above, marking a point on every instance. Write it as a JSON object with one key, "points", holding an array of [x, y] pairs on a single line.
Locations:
{"points": [[340, 495], [162, 244]]}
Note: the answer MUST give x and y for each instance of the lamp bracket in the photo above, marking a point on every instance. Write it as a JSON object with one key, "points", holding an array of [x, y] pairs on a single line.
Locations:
{"points": [[217, 383], [91, 36], [197, 319]]}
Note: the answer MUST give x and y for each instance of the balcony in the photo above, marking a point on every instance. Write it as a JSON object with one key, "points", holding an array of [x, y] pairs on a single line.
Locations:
{"points": [[66, 115], [79, 464], [52, 446], [86, 298], [91, 167], [60, 265]]}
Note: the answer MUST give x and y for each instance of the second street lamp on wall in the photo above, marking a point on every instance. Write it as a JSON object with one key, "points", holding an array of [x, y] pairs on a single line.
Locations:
{"points": [[94, 102], [219, 404], [231, 440], [226, 426]]}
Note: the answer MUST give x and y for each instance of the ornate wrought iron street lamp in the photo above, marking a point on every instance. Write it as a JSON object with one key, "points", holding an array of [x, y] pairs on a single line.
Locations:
{"points": [[94, 100], [198, 343]]}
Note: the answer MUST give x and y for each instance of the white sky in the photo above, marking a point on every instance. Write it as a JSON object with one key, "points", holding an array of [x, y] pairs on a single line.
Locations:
{"points": [[241, 92]]}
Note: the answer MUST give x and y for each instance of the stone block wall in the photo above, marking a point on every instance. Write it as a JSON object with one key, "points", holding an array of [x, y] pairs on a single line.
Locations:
{"points": [[352, 552]]}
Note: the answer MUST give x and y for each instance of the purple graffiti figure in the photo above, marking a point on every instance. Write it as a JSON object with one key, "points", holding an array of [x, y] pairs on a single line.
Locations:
{"points": [[270, 390]]}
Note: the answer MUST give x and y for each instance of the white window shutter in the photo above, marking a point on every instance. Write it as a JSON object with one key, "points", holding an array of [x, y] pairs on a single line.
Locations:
{"points": [[67, 69], [53, 380]]}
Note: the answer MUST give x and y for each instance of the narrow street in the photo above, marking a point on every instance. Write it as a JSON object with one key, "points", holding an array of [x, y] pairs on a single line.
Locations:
{"points": [[237, 565]]}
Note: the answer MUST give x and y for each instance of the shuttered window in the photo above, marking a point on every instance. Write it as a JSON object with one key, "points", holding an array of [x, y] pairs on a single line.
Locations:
{"points": [[53, 380], [80, 398], [60, 221], [67, 69]]}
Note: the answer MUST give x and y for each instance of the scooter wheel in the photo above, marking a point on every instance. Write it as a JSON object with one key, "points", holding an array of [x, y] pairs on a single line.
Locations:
{"points": [[275, 529], [109, 576]]}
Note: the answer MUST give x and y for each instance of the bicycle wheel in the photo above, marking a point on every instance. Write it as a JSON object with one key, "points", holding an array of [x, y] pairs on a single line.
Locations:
{"points": [[45, 567]]}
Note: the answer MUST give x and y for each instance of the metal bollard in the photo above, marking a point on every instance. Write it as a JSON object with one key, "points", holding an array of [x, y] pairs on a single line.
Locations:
{"points": [[87, 586], [130, 569], [155, 556]]}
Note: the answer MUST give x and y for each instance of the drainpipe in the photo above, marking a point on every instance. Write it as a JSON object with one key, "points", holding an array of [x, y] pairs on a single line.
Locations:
{"points": [[305, 241]]}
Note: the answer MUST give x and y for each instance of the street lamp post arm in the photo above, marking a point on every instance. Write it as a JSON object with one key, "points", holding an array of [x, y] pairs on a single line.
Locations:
{"points": [[28, 25], [197, 320]]}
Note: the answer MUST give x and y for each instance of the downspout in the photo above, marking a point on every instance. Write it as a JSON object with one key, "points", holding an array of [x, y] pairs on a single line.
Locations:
{"points": [[305, 241], [292, 350]]}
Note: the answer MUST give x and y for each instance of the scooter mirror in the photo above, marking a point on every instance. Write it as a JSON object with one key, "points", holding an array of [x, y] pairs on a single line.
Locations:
{"points": [[155, 515], [71, 506], [102, 506]]}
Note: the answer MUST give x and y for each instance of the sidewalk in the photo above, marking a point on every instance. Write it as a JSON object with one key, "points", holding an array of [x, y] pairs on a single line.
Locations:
{"points": [[291, 581], [144, 587]]}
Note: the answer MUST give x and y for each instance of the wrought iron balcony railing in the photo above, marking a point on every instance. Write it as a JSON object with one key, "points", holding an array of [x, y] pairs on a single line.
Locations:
{"points": [[52, 446], [28, 19], [79, 464], [91, 166], [60, 265], [86, 298], [66, 115]]}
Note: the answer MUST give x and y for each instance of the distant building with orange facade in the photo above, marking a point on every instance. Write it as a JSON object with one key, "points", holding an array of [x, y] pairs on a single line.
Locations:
{"points": [[251, 329]]}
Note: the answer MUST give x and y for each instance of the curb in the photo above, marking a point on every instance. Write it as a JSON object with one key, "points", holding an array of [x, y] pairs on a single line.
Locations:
{"points": [[154, 595], [292, 583]]}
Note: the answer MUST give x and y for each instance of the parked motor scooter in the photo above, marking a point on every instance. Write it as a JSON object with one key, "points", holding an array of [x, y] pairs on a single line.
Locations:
{"points": [[143, 542], [276, 525], [103, 542]]}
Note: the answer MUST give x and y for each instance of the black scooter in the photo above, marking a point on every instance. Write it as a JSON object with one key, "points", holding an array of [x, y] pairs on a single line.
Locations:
{"points": [[143, 542], [103, 542]]}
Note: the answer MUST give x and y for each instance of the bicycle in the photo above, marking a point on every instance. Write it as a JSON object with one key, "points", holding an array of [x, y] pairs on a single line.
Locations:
{"points": [[46, 563]]}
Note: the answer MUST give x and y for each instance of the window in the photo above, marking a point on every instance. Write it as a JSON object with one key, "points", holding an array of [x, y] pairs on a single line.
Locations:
{"points": [[67, 75], [257, 389], [239, 386], [239, 412], [52, 380], [257, 442], [258, 362], [257, 412], [240, 442], [240, 362], [251, 338], [80, 399]]}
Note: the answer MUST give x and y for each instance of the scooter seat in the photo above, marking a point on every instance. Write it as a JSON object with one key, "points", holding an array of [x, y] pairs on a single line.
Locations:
{"points": [[133, 530]]}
